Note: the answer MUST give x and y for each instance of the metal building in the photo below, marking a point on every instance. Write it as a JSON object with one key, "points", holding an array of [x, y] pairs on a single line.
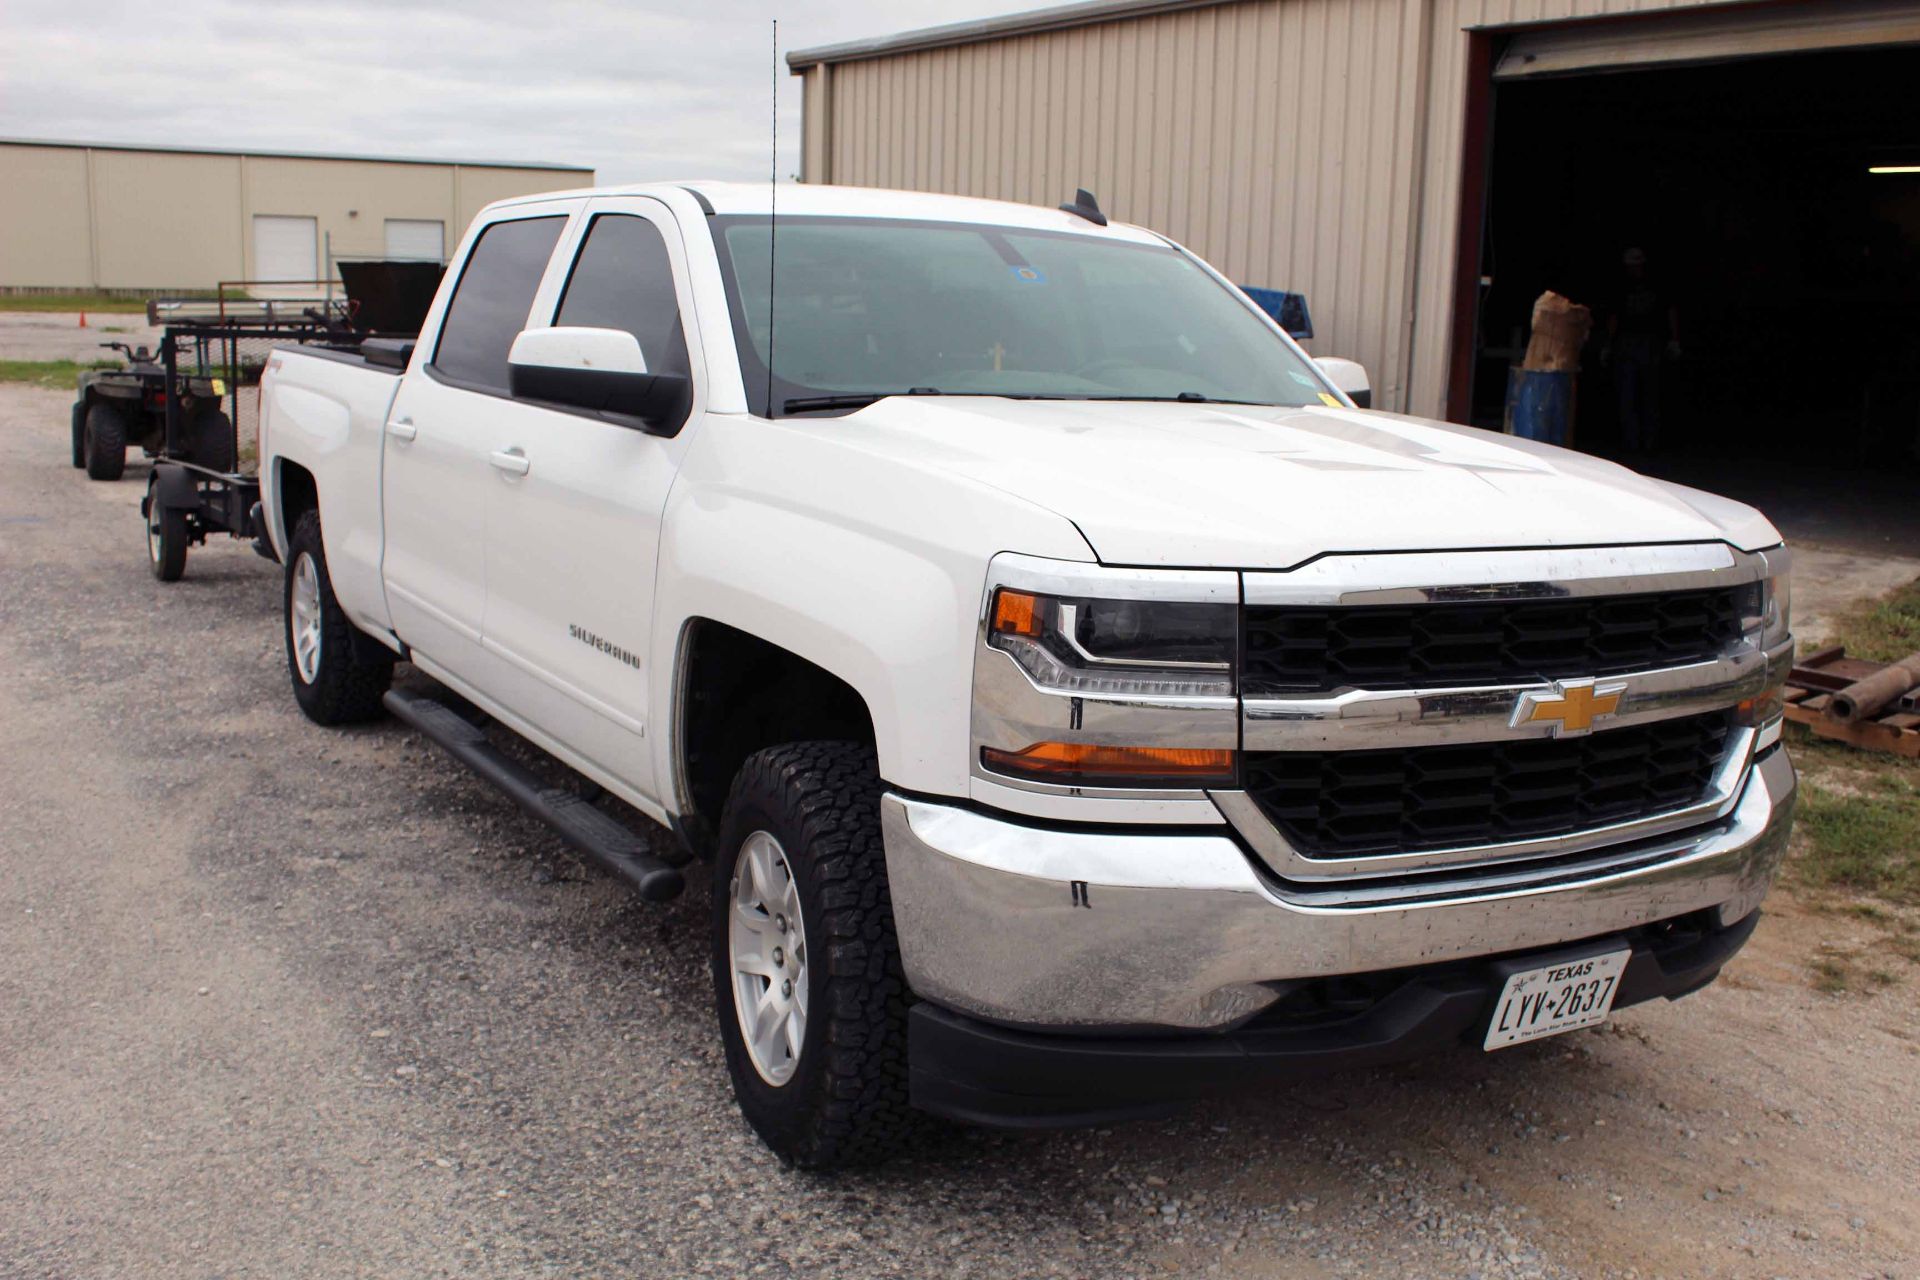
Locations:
{"points": [[81, 216], [1340, 148]]}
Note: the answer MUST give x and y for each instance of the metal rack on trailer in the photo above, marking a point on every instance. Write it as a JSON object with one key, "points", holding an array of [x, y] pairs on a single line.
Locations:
{"points": [[211, 351], [218, 349]]}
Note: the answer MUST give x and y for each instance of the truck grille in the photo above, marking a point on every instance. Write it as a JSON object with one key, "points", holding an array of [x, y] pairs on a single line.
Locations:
{"points": [[1289, 648], [1351, 803]]}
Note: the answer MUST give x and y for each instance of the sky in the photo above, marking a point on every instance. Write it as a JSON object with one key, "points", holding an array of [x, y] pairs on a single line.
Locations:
{"points": [[638, 91]]}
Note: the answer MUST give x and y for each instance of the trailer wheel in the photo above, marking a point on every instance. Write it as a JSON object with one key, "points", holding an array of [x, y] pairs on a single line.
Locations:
{"points": [[104, 442], [79, 435], [210, 440], [166, 537], [339, 677]]}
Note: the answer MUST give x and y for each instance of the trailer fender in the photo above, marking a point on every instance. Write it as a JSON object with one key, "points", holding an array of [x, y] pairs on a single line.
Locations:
{"points": [[174, 486]]}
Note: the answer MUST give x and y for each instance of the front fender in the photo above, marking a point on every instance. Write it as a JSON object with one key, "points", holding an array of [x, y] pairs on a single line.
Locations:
{"points": [[870, 568]]}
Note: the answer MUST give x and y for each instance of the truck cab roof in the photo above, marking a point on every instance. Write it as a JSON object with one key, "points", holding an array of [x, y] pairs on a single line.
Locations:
{"points": [[803, 200]]}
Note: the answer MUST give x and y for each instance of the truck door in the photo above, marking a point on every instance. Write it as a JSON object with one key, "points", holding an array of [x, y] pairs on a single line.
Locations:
{"points": [[440, 432], [573, 537]]}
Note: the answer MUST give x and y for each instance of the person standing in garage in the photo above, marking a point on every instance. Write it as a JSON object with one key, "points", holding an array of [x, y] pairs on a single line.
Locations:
{"points": [[1642, 325]]}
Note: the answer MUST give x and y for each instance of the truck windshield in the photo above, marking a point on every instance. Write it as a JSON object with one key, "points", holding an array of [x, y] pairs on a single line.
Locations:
{"points": [[865, 308]]}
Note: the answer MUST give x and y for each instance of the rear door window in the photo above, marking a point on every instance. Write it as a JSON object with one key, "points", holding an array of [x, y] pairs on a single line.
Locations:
{"points": [[490, 304], [623, 279]]}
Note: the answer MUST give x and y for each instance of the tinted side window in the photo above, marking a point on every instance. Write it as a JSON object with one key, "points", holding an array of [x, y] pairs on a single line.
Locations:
{"points": [[490, 304], [623, 279]]}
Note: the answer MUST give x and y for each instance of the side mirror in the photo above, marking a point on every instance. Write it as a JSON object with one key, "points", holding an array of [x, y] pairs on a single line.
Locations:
{"points": [[601, 370], [1350, 376]]}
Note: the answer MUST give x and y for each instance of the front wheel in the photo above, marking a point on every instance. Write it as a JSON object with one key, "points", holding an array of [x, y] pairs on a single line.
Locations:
{"points": [[338, 678], [166, 537], [104, 441], [811, 999], [79, 435]]}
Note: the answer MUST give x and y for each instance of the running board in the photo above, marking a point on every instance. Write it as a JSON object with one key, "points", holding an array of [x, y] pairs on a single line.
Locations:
{"points": [[594, 834]]}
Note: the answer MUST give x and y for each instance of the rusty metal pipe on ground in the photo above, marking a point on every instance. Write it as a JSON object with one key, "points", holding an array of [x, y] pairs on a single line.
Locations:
{"points": [[1865, 699]]}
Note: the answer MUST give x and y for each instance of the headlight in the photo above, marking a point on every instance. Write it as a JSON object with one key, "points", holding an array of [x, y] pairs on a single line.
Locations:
{"points": [[1764, 611], [1766, 624], [1117, 646], [1122, 679]]}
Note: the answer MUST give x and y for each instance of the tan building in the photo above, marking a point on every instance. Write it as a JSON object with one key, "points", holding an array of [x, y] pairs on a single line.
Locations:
{"points": [[1347, 149], [94, 216]]}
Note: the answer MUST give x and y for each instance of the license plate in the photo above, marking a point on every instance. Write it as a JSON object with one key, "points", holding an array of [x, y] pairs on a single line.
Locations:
{"points": [[1555, 998]]}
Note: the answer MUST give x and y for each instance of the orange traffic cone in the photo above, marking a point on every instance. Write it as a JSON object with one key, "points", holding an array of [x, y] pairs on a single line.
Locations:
{"points": [[83, 319]]}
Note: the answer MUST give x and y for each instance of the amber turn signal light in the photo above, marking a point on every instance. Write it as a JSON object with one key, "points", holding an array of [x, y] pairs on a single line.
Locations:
{"points": [[1761, 709], [1081, 761], [1015, 613]]}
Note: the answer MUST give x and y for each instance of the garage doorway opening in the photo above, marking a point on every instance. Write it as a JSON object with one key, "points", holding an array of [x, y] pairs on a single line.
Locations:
{"points": [[1792, 271]]}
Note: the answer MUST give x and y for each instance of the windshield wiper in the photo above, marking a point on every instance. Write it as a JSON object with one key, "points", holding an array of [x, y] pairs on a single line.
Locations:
{"points": [[1185, 397], [851, 400]]}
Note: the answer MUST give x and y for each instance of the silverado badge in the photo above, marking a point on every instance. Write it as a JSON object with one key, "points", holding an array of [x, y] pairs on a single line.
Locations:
{"points": [[1569, 707]]}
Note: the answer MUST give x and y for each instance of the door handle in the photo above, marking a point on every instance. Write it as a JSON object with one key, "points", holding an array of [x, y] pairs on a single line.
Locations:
{"points": [[402, 429], [512, 461]]}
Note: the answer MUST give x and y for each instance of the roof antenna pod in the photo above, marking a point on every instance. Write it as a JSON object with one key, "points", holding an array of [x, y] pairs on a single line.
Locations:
{"points": [[1085, 206]]}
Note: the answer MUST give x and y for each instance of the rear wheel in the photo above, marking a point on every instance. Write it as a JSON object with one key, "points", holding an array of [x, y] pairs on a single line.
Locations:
{"points": [[166, 537], [79, 434], [811, 999], [339, 677], [104, 442], [210, 440]]}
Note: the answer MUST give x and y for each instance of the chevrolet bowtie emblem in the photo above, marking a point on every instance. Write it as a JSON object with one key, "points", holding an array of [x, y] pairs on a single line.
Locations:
{"points": [[1570, 707]]}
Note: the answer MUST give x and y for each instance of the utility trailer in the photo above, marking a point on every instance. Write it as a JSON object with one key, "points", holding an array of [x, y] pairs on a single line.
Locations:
{"points": [[211, 354]]}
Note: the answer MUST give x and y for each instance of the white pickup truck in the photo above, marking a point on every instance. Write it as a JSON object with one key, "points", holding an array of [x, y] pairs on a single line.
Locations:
{"points": [[1082, 705]]}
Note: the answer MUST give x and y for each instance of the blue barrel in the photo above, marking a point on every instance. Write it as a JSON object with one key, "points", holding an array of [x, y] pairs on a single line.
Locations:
{"points": [[1540, 405], [1289, 310]]}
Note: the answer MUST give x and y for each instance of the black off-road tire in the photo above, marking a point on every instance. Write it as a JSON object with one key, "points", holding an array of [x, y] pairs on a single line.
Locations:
{"points": [[846, 1101], [210, 440], [104, 433], [167, 537], [79, 435], [353, 672]]}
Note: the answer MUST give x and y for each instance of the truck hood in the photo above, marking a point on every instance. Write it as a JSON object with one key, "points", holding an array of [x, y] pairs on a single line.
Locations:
{"points": [[1202, 485]]}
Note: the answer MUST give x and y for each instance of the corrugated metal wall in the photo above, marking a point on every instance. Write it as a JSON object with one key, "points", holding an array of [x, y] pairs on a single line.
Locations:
{"points": [[1313, 145]]}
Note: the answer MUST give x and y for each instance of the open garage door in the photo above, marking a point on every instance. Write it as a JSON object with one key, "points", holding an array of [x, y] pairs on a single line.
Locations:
{"points": [[1714, 33], [1765, 336]]}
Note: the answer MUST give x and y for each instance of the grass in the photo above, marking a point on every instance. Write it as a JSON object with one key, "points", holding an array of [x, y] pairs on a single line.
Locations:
{"points": [[1883, 630], [95, 302], [1856, 846], [1861, 823], [49, 373]]}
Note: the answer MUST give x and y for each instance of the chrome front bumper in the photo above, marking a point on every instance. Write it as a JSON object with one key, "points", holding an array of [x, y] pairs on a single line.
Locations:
{"points": [[1059, 929]]}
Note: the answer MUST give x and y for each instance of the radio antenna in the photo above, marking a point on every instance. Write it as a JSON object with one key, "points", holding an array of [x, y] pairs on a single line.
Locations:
{"points": [[773, 210]]}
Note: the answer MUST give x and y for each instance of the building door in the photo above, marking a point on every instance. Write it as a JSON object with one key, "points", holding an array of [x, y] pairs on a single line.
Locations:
{"points": [[285, 248], [416, 239]]}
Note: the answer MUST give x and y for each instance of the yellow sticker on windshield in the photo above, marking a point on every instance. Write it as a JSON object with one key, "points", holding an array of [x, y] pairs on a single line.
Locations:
{"points": [[1330, 400]]}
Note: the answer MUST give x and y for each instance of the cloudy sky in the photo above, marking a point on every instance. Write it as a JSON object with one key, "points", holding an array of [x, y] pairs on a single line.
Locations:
{"points": [[638, 89]]}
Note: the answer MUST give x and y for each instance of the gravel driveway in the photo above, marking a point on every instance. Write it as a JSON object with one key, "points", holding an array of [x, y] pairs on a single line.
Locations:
{"points": [[276, 1001], [57, 335]]}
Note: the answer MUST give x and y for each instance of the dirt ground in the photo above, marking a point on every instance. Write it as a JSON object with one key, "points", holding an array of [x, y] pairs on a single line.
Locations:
{"points": [[276, 1001]]}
